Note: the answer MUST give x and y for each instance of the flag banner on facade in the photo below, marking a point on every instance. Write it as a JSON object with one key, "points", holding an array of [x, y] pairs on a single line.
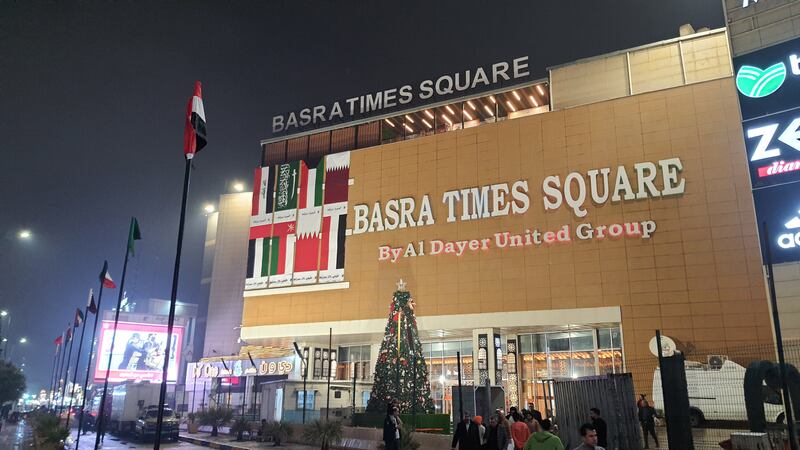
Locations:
{"points": [[298, 223], [260, 228], [194, 133], [134, 234], [105, 278], [91, 306], [309, 222], [281, 260], [78, 317], [334, 218]]}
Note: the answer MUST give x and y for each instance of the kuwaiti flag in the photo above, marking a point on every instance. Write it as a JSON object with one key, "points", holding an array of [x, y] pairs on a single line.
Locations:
{"points": [[309, 222], [334, 217], [105, 278], [194, 132], [284, 223], [78, 317], [258, 249]]}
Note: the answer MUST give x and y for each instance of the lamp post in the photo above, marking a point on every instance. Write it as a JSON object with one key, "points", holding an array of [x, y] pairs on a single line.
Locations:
{"points": [[304, 368], [3, 314]]}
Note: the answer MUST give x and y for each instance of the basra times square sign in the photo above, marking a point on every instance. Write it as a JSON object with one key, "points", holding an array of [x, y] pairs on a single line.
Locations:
{"points": [[301, 213]]}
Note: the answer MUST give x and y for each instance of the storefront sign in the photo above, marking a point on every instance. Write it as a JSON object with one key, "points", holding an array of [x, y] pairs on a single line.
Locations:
{"points": [[768, 80], [779, 208], [236, 368], [431, 91], [773, 148], [502, 199], [529, 238]]}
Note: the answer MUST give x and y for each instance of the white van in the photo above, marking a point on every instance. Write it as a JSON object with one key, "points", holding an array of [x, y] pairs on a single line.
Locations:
{"points": [[716, 392]]}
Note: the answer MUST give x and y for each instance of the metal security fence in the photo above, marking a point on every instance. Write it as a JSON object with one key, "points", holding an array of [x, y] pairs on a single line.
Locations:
{"points": [[715, 380]]}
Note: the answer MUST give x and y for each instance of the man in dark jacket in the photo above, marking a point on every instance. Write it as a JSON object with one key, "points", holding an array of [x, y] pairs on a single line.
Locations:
{"points": [[600, 427], [391, 428], [647, 417], [467, 436]]}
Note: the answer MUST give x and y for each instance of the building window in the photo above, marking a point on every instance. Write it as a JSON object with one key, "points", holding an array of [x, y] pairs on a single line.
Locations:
{"points": [[354, 362], [440, 357], [309, 399], [565, 355]]}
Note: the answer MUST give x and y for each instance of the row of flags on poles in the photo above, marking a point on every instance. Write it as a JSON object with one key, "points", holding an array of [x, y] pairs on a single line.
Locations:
{"points": [[298, 223], [194, 139]]}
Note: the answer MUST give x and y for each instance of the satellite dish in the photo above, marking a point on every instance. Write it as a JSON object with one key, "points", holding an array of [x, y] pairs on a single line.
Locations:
{"points": [[668, 347]]}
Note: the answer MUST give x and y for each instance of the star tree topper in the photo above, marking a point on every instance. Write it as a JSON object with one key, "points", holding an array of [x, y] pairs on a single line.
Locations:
{"points": [[401, 285]]}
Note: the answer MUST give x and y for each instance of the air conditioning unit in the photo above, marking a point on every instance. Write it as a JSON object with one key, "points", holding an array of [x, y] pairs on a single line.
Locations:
{"points": [[716, 361]]}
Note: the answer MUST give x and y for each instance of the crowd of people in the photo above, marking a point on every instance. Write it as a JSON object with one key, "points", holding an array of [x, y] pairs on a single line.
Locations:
{"points": [[522, 430]]}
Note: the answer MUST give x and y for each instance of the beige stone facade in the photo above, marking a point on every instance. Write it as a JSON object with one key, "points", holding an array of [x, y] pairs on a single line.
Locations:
{"points": [[698, 278]]}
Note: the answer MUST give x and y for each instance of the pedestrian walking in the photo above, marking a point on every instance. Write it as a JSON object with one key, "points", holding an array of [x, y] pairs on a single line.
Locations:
{"points": [[467, 435], [647, 418], [599, 426], [589, 437], [496, 434], [542, 438], [391, 428], [520, 433]]}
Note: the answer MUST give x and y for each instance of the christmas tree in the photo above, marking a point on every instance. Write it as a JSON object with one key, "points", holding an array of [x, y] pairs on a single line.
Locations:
{"points": [[401, 373]]}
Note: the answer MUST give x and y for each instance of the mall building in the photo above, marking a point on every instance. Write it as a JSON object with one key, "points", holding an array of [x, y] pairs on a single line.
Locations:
{"points": [[545, 230]]}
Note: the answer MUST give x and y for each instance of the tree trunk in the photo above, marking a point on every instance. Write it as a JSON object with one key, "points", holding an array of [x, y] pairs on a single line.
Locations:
{"points": [[214, 430]]}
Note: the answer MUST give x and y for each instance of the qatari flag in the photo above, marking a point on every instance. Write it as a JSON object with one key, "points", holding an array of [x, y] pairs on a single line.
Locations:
{"points": [[194, 132]]}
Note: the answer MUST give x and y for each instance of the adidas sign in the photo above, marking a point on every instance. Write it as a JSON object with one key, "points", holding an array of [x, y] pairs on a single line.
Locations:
{"points": [[791, 239], [755, 82]]}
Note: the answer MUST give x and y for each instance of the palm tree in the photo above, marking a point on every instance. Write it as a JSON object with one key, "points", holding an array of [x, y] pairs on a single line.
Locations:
{"points": [[323, 432], [279, 431], [215, 416], [239, 427]]}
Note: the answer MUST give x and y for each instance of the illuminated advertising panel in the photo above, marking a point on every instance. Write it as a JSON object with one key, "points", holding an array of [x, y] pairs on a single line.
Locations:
{"points": [[138, 352], [768, 80], [779, 208]]}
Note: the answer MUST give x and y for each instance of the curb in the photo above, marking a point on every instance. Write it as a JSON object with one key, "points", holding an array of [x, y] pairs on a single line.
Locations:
{"points": [[209, 444]]}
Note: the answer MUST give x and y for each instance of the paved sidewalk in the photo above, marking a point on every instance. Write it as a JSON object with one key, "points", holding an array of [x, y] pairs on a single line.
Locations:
{"points": [[226, 442], [17, 436]]}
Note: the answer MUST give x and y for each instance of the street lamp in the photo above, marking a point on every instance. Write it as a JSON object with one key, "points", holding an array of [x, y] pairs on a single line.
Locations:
{"points": [[24, 234], [238, 186], [3, 313], [209, 208], [304, 368], [23, 340]]}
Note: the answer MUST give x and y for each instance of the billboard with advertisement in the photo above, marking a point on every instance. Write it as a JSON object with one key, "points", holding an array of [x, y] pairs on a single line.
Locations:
{"points": [[779, 209], [138, 352], [768, 80]]}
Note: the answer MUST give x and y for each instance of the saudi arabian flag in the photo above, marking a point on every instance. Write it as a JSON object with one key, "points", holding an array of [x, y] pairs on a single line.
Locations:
{"points": [[133, 234]]}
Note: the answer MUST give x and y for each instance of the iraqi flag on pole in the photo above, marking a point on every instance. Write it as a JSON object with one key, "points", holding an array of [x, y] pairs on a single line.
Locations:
{"points": [[59, 340], [105, 278], [91, 306], [194, 132]]}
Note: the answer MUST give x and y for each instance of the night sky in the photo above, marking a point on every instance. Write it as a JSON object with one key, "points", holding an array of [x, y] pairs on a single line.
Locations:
{"points": [[92, 97]]}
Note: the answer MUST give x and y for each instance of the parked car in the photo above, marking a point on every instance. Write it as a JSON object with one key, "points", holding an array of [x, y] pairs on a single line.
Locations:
{"points": [[145, 427]]}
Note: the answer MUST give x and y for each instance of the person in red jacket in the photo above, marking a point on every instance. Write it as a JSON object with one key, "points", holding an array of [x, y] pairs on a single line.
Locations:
{"points": [[520, 432]]}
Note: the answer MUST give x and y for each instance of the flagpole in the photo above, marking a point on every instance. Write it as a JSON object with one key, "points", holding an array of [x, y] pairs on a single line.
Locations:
{"points": [[173, 297], [114, 335], [89, 368], [53, 375], [66, 369], [58, 371], [77, 363]]}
